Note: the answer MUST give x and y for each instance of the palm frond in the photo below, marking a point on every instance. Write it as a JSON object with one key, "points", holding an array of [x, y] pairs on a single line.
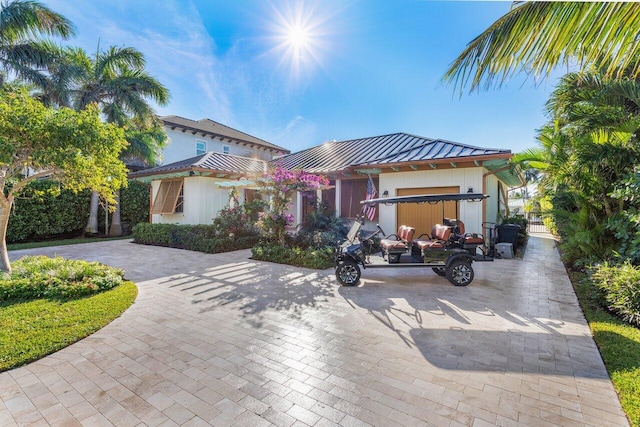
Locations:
{"points": [[536, 37], [23, 19]]}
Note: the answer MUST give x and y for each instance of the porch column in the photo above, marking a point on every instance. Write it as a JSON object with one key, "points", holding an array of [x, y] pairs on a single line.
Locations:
{"points": [[338, 198], [298, 208]]}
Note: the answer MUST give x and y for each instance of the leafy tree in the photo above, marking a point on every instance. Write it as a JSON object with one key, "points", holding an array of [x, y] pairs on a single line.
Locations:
{"points": [[536, 36], [22, 53], [75, 148]]}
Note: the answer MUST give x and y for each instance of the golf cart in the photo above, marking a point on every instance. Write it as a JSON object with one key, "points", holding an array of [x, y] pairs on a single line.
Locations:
{"points": [[449, 251]]}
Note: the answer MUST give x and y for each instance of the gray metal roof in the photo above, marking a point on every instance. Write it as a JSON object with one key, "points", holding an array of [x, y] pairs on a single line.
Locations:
{"points": [[214, 129], [380, 150], [215, 162]]}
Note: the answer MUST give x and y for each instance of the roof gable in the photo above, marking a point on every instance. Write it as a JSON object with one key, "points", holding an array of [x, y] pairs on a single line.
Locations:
{"points": [[212, 128]]}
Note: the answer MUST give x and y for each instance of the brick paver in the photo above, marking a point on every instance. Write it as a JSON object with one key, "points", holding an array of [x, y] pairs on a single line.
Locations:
{"points": [[224, 340]]}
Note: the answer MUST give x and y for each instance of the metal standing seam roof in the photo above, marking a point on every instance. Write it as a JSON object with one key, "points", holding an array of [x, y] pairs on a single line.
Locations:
{"points": [[211, 160], [379, 150], [213, 128]]}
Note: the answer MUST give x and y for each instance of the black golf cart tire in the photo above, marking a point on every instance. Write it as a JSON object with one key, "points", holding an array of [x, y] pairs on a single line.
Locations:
{"points": [[348, 273], [460, 272], [440, 271]]}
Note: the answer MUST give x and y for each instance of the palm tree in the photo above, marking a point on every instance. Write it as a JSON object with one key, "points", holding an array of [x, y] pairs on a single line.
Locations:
{"points": [[146, 141], [22, 22], [538, 36], [117, 81]]}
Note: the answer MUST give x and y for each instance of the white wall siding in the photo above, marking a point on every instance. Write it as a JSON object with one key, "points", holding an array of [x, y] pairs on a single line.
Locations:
{"points": [[182, 145], [203, 199]]}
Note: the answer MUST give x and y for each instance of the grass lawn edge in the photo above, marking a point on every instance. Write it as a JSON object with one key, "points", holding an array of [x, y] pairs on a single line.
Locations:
{"points": [[34, 329]]}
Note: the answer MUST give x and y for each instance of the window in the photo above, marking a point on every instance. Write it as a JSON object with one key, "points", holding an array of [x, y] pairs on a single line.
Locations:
{"points": [[169, 198], [201, 147], [225, 149]]}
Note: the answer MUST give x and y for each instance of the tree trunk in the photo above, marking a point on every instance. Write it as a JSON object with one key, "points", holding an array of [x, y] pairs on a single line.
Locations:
{"points": [[5, 212], [116, 226], [92, 225]]}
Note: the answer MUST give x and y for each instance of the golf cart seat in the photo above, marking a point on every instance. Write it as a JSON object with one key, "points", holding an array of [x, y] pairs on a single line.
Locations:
{"points": [[440, 235], [398, 243], [466, 239]]}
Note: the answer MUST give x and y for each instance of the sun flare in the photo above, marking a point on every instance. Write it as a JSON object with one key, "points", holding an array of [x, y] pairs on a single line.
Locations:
{"points": [[299, 36]]}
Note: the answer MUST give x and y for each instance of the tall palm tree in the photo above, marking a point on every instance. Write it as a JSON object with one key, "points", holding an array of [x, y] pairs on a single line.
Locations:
{"points": [[22, 22], [117, 81], [537, 36], [146, 140]]}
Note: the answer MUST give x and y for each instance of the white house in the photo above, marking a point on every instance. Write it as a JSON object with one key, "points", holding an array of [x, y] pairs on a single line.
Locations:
{"points": [[403, 164], [204, 153], [201, 154]]}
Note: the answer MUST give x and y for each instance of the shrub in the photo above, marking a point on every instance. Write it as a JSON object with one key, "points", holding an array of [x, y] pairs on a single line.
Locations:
{"points": [[620, 285], [39, 276], [233, 220], [45, 211], [202, 238], [321, 228], [134, 203], [309, 258]]}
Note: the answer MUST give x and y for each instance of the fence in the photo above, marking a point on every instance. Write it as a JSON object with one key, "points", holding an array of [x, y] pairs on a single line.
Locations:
{"points": [[534, 223]]}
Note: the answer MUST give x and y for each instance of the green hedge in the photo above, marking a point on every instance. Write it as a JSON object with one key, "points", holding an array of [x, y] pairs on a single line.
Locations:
{"points": [[43, 211], [134, 203], [310, 258], [202, 238]]}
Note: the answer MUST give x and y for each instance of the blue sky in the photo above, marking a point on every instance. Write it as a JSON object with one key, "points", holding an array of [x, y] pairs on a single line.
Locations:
{"points": [[365, 68]]}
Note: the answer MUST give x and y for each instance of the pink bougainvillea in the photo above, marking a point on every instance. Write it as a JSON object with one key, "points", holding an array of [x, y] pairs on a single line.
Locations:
{"points": [[280, 184]]}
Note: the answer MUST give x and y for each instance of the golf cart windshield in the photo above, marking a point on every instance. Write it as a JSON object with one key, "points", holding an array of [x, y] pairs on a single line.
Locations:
{"points": [[355, 229]]}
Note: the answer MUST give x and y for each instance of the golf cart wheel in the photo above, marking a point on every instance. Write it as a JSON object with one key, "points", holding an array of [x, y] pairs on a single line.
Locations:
{"points": [[394, 258], [348, 273], [440, 271], [460, 273]]}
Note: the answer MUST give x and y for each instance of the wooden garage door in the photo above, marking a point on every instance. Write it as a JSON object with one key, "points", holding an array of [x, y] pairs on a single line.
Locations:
{"points": [[425, 216]]}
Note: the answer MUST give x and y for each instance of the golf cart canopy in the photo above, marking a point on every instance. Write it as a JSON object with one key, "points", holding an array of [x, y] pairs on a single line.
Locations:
{"points": [[427, 198]]}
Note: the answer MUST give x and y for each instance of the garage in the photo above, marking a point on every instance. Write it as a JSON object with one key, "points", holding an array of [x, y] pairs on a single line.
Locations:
{"points": [[424, 217]]}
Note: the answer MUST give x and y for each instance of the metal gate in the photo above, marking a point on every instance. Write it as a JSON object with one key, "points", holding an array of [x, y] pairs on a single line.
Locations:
{"points": [[534, 223]]}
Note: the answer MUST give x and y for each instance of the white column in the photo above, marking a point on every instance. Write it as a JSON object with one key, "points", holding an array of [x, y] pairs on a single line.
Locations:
{"points": [[298, 219], [338, 196]]}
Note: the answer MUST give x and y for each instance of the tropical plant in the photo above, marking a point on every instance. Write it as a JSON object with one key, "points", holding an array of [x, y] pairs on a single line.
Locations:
{"points": [[280, 184], [116, 81], [536, 37], [75, 148], [22, 52]]}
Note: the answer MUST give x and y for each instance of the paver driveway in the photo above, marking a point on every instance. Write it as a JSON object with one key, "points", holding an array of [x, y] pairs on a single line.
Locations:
{"points": [[224, 340]]}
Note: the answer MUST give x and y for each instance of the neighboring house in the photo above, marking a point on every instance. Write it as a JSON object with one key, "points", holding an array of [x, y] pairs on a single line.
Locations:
{"points": [[189, 138], [200, 155], [403, 164]]}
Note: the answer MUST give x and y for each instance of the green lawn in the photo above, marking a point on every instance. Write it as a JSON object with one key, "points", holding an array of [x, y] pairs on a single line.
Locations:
{"points": [[75, 241], [30, 330], [619, 345]]}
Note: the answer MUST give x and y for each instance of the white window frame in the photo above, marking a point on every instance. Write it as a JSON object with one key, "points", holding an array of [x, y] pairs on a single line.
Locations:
{"points": [[226, 149], [202, 150]]}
